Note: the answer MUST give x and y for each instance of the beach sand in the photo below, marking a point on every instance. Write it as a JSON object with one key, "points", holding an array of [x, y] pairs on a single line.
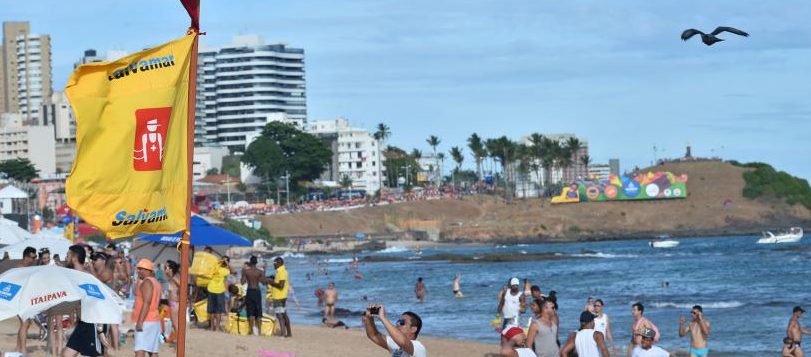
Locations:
{"points": [[306, 341]]}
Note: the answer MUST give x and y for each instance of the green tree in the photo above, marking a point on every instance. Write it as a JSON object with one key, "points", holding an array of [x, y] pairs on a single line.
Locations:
{"points": [[21, 170], [477, 149], [458, 157], [284, 148], [212, 171], [346, 181], [416, 154], [586, 161], [397, 162]]}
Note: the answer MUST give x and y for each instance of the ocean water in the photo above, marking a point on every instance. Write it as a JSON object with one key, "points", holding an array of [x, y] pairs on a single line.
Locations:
{"points": [[747, 290]]}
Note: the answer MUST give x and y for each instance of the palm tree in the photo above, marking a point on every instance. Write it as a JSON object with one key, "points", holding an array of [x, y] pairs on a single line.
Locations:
{"points": [[572, 146], [434, 141], [458, 157], [474, 143], [586, 161], [383, 132], [346, 181], [550, 153], [536, 150]]}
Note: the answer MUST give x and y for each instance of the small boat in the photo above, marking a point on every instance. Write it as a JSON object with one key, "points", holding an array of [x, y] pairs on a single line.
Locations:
{"points": [[793, 235], [664, 243]]}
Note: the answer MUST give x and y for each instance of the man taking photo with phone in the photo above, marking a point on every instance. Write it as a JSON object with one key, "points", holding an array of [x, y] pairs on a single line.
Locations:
{"points": [[401, 340]]}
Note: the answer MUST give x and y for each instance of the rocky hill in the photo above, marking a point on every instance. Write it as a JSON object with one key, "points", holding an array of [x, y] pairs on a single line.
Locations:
{"points": [[487, 218]]}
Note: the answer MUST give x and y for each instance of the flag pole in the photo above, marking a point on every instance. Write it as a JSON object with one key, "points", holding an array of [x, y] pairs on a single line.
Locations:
{"points": [[185, 240]]}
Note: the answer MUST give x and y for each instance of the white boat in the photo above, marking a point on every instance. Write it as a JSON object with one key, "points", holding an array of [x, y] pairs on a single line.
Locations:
{"points": [[664, 243], [793, 235]]}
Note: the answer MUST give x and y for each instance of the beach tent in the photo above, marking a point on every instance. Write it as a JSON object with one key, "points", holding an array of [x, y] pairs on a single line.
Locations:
{"points": [[55, 244], [202, 234], [26, 292]]}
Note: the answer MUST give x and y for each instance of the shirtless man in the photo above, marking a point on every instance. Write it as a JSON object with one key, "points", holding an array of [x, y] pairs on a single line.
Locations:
{"points": [[253, 276], [330, 298], [457, 285], [795, 331], [419, 289], [640, 324], [699, 329], [29, 259]]}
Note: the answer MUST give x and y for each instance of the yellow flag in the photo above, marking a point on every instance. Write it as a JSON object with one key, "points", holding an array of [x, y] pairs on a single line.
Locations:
{"points": [[130, 174]]}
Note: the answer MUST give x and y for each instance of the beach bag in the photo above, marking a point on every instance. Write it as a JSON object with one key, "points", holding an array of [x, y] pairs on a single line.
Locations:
{"points": [[237, 325], [204, 264], [268, 326], [201, 310]]}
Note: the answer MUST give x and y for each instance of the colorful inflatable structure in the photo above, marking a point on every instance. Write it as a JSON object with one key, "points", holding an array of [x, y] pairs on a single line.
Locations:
{"points": [[650, 186]]}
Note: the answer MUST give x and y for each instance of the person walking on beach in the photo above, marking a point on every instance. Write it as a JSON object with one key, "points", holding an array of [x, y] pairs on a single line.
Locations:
{"points": [[795, 331], [587, 341], [216, 296], [280, 287], [401, 340], [457, 285], [646, 347], [640, 323], [419, 290], [699, 329], [172, 273], [543, 333], [601, 322], [514, 343], [253, 276], [511, 304], [145, 311], [29, 259], [330, 298], [86, 338]]}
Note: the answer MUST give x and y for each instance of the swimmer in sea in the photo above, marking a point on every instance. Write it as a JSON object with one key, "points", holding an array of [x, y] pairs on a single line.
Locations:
{"points": [[457, 285]]}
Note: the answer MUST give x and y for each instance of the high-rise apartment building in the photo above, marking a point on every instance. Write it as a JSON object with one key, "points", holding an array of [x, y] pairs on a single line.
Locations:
{"points": [[90, 56], [26, 71], [243, 85], [59, 116]]}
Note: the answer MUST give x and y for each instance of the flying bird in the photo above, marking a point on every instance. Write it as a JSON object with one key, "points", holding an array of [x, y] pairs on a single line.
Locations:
{"points": [[711, 39]]}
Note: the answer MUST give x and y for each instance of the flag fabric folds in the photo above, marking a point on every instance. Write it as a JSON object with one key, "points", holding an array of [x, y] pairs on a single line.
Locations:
{"points": [[130, 175]]}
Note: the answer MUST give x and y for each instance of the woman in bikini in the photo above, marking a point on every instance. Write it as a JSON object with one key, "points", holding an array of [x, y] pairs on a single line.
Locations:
{"points": [[172, 271]]}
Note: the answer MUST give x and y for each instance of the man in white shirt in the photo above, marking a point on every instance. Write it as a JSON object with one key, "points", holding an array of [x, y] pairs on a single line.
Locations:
{"points": [[402, 338], [646, 347]]}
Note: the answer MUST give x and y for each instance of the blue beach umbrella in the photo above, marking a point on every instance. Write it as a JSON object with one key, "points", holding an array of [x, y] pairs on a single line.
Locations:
{"points": [[202, 234]]}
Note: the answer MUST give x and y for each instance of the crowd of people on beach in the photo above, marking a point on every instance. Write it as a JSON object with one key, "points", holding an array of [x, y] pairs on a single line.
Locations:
{"points": [[154, 290]]}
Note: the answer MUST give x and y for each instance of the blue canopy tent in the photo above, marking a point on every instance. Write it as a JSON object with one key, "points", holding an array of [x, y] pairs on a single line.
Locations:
{"points": [[202, 234]]}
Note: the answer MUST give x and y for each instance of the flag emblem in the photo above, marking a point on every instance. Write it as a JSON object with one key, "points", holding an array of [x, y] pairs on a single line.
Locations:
{"points": [[150, 138]]}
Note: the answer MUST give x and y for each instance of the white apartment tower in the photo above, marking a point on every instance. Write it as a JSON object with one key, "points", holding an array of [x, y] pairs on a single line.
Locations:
{"points": [[356, 153], [241, 84], [25, 71]]}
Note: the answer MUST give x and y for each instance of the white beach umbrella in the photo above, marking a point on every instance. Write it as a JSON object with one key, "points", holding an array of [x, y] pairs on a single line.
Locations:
{"points": [[26, 292], [56, 245], [9, 235]]}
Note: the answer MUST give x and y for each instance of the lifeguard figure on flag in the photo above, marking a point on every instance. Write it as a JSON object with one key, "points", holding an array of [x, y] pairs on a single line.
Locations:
{"points": [[134, 144]]}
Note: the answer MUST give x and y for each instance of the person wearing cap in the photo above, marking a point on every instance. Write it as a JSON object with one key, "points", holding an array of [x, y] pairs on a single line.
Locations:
{"points": [[699, 329], [145, 311], [514, 343], [646, 347], [587, 341], [795, 331], [216, 295], [511, 304]]}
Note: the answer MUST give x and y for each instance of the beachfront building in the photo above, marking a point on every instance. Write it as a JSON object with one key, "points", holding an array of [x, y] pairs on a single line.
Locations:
{"points": [[241, 86], [90, 56], [430, 171], [34, 143], [25, 81], [207, 158], [58, 114], [602, 171], [356, 154]]}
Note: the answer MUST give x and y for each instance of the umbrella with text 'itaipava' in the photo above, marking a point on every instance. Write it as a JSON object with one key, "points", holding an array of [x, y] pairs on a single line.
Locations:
{"points": [[202, 234], [26, 292]]}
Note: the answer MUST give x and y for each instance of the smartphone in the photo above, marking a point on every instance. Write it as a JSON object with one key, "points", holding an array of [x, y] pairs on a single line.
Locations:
{"points": [[374, 310]]}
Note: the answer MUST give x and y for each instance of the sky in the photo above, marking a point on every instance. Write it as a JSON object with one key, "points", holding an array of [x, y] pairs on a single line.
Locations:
{"points": [[612, 72]]}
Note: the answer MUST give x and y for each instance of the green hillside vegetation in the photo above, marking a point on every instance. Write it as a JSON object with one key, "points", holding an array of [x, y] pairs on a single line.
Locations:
{"points": [[764, 181]]}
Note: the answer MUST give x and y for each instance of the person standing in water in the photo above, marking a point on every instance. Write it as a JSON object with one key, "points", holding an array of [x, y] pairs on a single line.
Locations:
{"points": [[330, 298], [795, 331], [457, 285], [699, 329], [419, 290]]}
